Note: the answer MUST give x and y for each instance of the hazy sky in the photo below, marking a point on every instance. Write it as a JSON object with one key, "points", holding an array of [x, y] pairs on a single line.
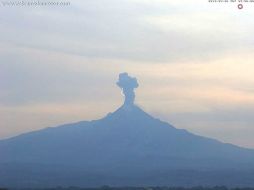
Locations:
{"points": [[194, 62]]}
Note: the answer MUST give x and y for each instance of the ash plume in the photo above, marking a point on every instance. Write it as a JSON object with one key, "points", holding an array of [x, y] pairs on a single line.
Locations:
{"points": [[127, 84]]}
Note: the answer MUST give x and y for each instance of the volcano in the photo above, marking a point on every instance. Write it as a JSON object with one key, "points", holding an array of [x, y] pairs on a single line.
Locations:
{"points": [[128, 147]]}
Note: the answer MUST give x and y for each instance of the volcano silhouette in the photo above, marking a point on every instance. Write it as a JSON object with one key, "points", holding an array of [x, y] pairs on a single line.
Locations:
{"points": [[126, 148]]}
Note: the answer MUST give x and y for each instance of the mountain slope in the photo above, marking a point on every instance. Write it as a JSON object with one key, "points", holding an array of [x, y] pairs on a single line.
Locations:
{"points": [[127, 147]]}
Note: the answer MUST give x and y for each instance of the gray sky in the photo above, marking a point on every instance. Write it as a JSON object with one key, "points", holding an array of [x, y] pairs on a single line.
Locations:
{"points": [[193, 60]]}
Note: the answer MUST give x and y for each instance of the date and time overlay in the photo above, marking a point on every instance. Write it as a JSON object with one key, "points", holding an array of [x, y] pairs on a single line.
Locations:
{"points": [[240, 4]]}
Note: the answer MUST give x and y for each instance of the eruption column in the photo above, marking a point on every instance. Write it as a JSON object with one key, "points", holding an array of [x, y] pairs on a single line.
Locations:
{"points": [[127, 84]]}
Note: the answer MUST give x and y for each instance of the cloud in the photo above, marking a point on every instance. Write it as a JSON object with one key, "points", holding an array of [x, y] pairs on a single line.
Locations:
{"points": [[128, 30]]}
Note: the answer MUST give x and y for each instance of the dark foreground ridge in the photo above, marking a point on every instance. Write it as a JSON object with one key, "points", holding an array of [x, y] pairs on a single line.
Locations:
{"points": [[135, 188], [128, 147]]}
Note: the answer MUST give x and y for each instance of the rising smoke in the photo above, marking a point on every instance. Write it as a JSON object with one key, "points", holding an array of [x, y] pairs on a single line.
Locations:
{"points": [[127, 84]]}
